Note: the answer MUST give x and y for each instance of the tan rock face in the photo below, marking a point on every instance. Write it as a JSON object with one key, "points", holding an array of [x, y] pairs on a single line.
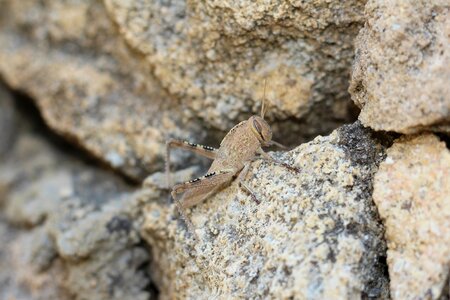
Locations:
{"points": [[217, 53], [191, 69], [412, 193], [315, 235], [87, 84], [401, 73]]}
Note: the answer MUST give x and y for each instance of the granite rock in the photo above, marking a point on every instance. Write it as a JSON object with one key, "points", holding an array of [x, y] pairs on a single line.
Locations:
{"points": [[315, 235], [7, 122], [88, 85], [412, 193], [186, 69], [67, 230], [401, 72]]}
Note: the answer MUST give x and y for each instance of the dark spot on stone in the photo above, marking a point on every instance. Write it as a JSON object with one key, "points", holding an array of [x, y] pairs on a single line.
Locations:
{"points": [[287, 270], [331, 256], [255, 278], [363, 146], [352, 228], [119, 224], [406, 205]]}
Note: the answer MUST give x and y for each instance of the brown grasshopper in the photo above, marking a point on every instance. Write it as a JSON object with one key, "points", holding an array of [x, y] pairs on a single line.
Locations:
{"points": [[242, 145]]}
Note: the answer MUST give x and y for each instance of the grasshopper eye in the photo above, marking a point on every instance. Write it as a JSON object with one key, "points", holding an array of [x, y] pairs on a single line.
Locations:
{"points": [[257, 127], [261, 129]]}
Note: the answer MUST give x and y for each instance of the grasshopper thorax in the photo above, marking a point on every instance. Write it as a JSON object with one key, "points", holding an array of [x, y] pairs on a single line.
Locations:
{"points": [[260, 129]]}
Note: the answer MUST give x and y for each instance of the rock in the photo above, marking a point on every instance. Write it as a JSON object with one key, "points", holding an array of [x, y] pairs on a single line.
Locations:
{"points": [[412, 193], [88, 85], [68, 230], [189, 69], [401, 73], [7, 122], [217, 53], [315, 235]]}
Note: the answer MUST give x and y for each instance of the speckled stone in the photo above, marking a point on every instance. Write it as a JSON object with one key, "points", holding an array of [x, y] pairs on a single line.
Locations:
{"points": [[315, 234], [412, 193], [121, 77], [401, 72], [67, 230]]}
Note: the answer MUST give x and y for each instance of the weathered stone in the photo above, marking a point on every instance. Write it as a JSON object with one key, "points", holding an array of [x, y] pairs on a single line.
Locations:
{"points": [[7, 122], [217, 53], [412, 193], [188, 69], [75, 229], [87, 84], [315, 235], [401, 73]]}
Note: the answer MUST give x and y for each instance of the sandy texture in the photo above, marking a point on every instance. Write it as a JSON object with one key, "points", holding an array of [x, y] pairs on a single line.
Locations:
{"points": [[315, 234], [401, 72], [121, 77], [412, 193], [88, 85]]}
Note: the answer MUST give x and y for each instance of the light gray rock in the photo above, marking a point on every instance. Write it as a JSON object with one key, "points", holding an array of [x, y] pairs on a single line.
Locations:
{"points": [[121, 77], [68, 231], [315, 235]]}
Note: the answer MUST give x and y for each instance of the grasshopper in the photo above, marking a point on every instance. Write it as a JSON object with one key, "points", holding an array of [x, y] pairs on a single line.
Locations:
{"points": [[242, 145]]}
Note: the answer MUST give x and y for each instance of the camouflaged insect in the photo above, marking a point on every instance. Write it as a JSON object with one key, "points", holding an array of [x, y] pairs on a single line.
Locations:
{"points": [[242, 145]]}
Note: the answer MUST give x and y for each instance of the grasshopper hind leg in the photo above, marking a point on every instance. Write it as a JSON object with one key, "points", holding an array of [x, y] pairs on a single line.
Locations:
{"points": [[205, 151], [198, 190]]}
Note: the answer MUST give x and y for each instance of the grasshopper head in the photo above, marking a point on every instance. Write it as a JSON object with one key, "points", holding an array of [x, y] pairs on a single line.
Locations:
{"points": [[260, 129]]}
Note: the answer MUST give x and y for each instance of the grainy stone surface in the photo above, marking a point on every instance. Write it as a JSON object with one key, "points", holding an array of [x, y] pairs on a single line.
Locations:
{"points": [[217, 53], [401, 73], [315, 235], [120, 80], [87, 83], [67, 231], [7, 122], [412, 193]]}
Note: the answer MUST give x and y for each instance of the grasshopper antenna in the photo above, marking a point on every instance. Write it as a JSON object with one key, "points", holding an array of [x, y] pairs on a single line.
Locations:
{"points": [[263, 112], [263, 106]]}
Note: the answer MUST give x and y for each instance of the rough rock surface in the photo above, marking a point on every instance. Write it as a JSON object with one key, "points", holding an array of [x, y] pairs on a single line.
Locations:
{"points": [[217, 53], [180, 68], [401, 73], [315, 234], [67, 231], [7, 122], [87, 83], [412, 193]]}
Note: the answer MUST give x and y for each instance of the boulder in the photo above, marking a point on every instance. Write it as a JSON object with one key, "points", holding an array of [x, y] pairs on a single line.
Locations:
{"points": [[412, 193], [401, 72]]}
